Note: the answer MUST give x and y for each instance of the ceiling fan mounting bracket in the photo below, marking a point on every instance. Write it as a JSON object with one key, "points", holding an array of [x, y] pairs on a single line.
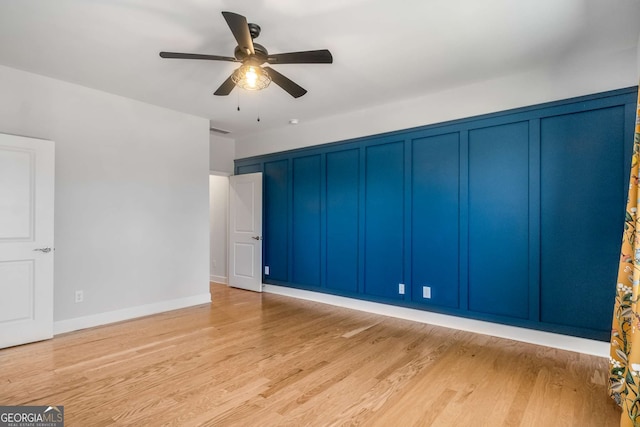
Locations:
{"points": [[254, 30]]}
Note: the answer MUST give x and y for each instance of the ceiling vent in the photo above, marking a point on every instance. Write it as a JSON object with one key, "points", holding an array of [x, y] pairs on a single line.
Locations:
{"points": [[220, 131]]}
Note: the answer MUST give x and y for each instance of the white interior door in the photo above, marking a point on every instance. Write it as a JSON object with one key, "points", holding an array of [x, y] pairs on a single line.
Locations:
{"points": [[245, 231], [26, 239]]}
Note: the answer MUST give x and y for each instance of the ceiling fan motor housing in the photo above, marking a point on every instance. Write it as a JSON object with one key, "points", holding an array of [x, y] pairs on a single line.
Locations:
{"points": [[261, 53]]}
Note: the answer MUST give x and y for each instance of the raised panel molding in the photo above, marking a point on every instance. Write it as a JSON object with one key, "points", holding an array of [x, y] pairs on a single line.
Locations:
{"points": [[17, 219], [584, 152], [17, 289], [276, 219], [342, 220], [306, 220], [435, 251], [512, 217], [384, 220], [498, 220]]}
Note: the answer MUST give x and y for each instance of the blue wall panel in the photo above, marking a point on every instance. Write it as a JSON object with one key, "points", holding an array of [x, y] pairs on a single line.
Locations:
{"points": [[498, 220], [384, 226], [434, 218], [514, 217], [582, 198], [306, 220], [276, 219], [343, 176]]}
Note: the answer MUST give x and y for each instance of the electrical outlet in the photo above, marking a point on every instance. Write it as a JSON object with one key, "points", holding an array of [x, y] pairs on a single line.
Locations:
{"points": [[215, 263], [79, 296], [266, 270], [426, 292], [401, 288]]}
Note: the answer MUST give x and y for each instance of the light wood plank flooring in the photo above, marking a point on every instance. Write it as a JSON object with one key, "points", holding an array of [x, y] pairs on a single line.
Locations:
{"points": [[265, 360]]}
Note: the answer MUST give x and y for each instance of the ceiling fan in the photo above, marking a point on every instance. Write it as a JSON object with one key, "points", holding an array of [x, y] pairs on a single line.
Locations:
{"points": [[252, 75]]}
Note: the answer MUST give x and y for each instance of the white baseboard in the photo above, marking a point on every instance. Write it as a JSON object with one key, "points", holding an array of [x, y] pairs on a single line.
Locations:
{"points": [[548, 339], [69, 325], [219, 279]]}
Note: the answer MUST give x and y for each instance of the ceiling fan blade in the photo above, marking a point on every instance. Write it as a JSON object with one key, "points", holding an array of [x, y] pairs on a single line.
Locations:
{"points": [[225, 88], [177, 55], [322, 56], [285, 83], [240, 29]]}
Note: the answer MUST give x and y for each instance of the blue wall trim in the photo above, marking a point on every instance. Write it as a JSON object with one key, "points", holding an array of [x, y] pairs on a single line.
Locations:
{"points": [[512, 217]]}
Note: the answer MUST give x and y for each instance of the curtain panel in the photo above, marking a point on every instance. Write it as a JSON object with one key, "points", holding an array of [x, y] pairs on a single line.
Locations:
{"points": [[624, 380]]}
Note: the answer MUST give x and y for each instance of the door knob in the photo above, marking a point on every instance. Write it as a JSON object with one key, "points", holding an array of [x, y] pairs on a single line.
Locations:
{"points": [[256, 237], [43, 250]]}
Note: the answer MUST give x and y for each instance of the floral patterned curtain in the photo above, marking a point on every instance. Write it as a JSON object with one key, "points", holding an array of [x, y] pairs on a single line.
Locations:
{"points": [[624, 380]]}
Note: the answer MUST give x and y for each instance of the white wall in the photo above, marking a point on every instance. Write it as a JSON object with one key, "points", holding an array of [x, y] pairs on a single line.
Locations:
{"points": [[570, 78], [218, 212], [131, 205], [221, 154]]}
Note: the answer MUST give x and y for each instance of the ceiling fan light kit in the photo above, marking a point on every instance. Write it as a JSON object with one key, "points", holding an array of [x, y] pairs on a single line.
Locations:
{"points": [[251, 75]]}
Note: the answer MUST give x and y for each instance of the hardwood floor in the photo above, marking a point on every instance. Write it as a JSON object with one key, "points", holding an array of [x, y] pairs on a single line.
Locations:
{"points": [[265, 360]]}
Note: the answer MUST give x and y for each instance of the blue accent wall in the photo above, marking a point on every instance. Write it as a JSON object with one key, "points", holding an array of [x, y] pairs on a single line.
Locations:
{"points": [[513, 217]]}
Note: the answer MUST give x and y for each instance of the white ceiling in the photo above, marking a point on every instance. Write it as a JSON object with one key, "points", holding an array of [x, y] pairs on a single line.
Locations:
{"points": [[383, 51]]}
